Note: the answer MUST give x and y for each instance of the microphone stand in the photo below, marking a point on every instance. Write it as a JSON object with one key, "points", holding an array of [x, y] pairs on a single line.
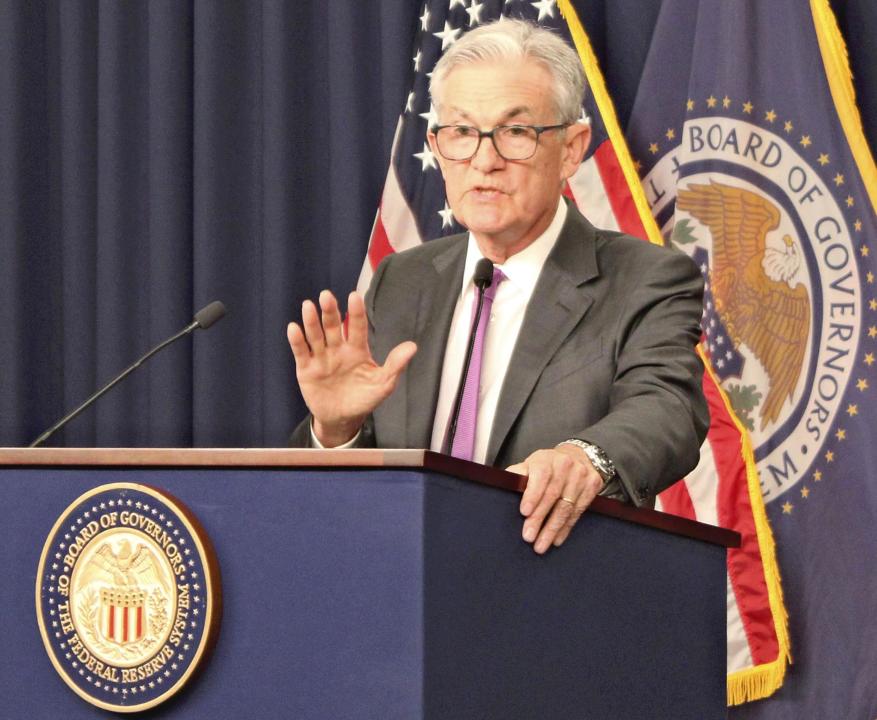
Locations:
{"points": [[203, 319]]}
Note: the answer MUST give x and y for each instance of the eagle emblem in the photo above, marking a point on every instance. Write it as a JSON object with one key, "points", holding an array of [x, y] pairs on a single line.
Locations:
{"points": [[124, 568], [756, 294]]}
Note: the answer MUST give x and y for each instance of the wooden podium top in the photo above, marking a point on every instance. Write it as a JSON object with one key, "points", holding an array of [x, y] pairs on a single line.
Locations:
{"points": [[354, 458]]}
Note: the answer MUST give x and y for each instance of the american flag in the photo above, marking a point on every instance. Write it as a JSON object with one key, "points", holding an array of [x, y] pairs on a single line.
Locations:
{"points": [[607, 190]]}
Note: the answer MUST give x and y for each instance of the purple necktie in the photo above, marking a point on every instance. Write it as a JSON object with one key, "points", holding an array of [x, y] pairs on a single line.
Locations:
{"points": [[464, 439]]}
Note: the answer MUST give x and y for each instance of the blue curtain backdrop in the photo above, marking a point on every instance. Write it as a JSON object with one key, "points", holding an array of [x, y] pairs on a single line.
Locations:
{"points": [[158, 155]]}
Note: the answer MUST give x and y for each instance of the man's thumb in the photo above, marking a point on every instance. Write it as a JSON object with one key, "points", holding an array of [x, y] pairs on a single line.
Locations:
{"points": [[399, 357]]}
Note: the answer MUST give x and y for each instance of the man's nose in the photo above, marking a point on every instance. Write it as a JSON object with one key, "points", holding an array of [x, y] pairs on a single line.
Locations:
{"points": [[486, 158]]}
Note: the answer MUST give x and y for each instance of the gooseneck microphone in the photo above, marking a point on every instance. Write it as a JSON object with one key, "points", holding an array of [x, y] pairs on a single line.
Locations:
{"points": [[203, 319], [483, 279]]}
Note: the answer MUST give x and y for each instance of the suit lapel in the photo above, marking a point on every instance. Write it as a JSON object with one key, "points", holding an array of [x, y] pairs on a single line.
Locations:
{"points": [[559, 302], [438, 297]]}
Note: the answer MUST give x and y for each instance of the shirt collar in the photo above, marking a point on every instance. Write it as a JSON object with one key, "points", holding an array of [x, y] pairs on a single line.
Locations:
{"points": [[521, 269]]}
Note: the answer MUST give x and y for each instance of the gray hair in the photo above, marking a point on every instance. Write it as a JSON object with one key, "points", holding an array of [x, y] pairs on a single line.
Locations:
{"points": [[508, 39]]}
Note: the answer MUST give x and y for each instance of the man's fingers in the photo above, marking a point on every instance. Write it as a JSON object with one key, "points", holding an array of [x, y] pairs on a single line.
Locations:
{"points": [[557, 521], [561, 537], [536, 480], [313, 329], [534, 526], [331, 319], [539, 497], [357, 322], [581, 504], [297, 343], [399, 358]]}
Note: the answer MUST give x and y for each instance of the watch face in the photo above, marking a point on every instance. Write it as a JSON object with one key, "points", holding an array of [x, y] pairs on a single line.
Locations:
{"points": [[602, 464]]}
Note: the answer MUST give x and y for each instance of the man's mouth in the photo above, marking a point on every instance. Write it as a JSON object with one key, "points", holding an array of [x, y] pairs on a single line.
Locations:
{"points": [[486, 192]]}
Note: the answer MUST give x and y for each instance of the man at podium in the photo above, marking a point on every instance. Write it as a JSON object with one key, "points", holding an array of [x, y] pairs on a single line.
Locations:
{"points": [[535, 341]]}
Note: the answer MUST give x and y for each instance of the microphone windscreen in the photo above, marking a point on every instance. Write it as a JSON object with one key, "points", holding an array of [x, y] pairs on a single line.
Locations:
{"points": [[483, 277], [208, 315]]}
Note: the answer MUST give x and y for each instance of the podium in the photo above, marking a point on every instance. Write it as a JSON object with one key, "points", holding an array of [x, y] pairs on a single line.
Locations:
{"points": [[392, 584]]}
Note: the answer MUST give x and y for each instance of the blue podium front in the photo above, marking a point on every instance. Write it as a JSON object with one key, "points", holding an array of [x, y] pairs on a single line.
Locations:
{"points": [[387, 589]]}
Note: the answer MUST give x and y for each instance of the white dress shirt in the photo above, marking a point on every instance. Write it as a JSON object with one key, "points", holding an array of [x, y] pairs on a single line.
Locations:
{"points": [[522, 271]]}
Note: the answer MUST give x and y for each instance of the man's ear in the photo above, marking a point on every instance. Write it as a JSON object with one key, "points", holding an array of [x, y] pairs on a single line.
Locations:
{"points": [[576, 142]]}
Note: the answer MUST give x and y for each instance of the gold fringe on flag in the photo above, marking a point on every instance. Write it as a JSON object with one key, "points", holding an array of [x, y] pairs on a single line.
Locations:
{"points": [[840, 80]]}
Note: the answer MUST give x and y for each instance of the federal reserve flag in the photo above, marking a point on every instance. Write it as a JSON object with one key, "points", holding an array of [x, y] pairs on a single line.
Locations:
{"points": [[754, 162]]}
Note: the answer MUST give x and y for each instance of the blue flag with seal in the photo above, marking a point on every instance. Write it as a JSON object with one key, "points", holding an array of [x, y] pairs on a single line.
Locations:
{"points": [[751, 152]]}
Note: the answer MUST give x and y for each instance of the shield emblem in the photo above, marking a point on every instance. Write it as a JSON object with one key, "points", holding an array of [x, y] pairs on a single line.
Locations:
{"points": [[123, 615]]}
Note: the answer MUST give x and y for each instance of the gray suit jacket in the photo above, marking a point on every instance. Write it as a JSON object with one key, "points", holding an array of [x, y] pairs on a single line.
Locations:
{"points": [[605, 354]]}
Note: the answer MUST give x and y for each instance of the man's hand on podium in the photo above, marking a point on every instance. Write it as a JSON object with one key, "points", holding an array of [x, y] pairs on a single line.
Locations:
{"points": [[339, 379], [561, 484]]}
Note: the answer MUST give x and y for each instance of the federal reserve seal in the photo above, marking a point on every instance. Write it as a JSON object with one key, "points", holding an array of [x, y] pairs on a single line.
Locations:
{"points": [[128, 596], [769, 221]]}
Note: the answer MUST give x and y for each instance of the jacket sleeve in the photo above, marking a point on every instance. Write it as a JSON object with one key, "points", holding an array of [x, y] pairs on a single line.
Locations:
{"points": [[658, 416]]}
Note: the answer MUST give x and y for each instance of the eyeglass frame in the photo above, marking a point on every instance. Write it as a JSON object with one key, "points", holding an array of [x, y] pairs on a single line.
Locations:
{"points": [[491, 134]]}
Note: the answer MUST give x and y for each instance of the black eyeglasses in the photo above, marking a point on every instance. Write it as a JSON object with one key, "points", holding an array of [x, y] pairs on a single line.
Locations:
{"points": [[511, 142]]}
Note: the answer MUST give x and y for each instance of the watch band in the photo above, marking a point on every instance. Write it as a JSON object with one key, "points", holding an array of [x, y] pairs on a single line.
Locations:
{"points": [[599, 459]]}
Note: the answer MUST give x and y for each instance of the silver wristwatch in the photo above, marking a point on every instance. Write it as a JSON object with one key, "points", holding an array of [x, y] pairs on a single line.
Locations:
{"points": [[599, 459]]}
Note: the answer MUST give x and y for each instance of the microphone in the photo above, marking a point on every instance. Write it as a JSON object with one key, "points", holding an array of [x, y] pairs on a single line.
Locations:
{"points": [[206, 316], [483, 279], [203, 319]]}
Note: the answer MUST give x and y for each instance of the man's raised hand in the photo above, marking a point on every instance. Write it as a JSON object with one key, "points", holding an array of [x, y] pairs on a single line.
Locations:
{"points": [[339, 379]]}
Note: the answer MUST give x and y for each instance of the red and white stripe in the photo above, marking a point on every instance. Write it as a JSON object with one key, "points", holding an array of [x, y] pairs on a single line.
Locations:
{"points": [[122, 624], [394, 229]]}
